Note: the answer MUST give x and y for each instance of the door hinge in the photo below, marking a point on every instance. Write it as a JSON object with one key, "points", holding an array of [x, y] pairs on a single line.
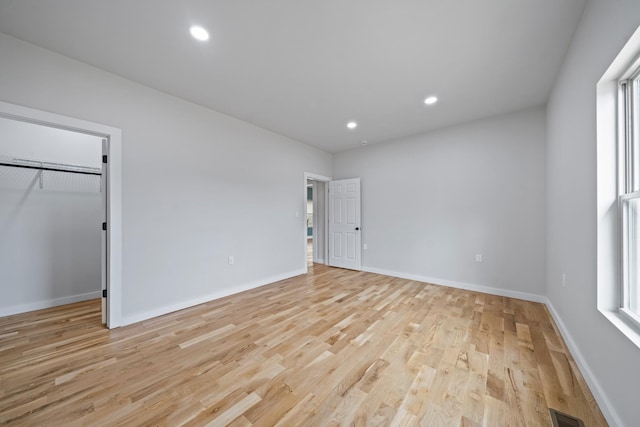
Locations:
{"points": [[104, 226], [104, 158], [104, 293]]}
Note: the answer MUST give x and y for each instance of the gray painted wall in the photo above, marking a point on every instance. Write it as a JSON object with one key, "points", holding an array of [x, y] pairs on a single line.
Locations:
{"points": [[430, 203], [571, 204], [197, 186]]}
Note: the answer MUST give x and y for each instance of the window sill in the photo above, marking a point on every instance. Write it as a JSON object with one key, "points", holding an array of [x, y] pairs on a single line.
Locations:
{"points": [[624, 325]]}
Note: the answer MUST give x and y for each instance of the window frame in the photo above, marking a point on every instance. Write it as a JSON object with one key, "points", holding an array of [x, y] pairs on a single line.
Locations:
{"points": [[625, 303], [609, 188], [628, 182]]}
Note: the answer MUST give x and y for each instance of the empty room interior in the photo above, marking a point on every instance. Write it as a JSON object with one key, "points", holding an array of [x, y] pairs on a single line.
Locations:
{"points": [[408, 213]]}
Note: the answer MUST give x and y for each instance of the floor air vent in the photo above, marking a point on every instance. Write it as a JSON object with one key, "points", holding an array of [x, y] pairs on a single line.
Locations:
{"points": [[563, 420]]}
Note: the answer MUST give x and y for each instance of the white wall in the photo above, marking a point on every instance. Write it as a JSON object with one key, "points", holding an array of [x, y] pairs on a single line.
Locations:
{"points": [[430, 203], [571, 206], [197, 186], [50, 242]]}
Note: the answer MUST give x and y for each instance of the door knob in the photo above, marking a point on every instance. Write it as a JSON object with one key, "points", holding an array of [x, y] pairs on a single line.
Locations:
{"points": [[357, 228]]}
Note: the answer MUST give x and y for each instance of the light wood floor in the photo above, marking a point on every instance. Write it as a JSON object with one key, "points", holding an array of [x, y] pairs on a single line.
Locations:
{"points": [[334, 347]]}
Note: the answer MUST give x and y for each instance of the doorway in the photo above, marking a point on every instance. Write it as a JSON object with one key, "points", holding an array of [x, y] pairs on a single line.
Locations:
{"points": [[310, 222], [332, 222], [50, 214], [315, 219], [110, 188]]}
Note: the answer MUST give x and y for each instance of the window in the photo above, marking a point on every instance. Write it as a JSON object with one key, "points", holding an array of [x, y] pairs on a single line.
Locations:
{"points": [[618, 190], [629, 197]]}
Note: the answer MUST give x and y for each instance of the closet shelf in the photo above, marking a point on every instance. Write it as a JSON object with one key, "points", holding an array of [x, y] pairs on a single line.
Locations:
{"points": [[48, 166]]}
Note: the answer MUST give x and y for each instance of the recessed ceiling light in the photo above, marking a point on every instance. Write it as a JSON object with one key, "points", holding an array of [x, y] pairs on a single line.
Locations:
{"points": [[199, 33], [352, 125], [363, 142], [431, 100]]}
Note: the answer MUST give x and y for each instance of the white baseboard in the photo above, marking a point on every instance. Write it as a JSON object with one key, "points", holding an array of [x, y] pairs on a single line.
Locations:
{"points": [[138, 317], [319, 260], [39, 305], [601, 398], [460, 285], [603, 401]]}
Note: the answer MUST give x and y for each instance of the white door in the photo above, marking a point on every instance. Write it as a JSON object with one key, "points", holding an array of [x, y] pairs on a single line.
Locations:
{"points": [[105, 253], [344, 224]]}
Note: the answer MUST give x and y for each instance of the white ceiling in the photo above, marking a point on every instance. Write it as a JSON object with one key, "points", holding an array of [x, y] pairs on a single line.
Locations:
{"points": [[304, 68]]}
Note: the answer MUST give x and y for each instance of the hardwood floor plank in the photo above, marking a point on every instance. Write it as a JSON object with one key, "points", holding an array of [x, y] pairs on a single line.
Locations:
{"points": [[334, 347]]}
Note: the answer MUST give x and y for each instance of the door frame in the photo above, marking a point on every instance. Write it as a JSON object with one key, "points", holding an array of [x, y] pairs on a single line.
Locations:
{"points": [[325, 179], [113, 195]]}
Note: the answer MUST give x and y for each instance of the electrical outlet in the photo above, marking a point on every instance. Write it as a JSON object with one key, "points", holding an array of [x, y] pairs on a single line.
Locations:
{"points": [[564, 280], [478, 257], [364, 246], [231, 260]]}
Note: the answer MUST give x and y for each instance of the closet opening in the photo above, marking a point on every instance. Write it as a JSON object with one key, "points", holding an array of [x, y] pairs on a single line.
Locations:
{"points": [[59, 220], [51, 212]]}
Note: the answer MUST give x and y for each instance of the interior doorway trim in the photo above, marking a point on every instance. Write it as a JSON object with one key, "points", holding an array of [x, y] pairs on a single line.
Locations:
{"points": [[114, 194], [322, 178]]}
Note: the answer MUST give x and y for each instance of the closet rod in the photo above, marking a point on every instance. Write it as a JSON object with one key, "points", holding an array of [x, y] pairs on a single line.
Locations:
{"points": [[45, 168]]}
